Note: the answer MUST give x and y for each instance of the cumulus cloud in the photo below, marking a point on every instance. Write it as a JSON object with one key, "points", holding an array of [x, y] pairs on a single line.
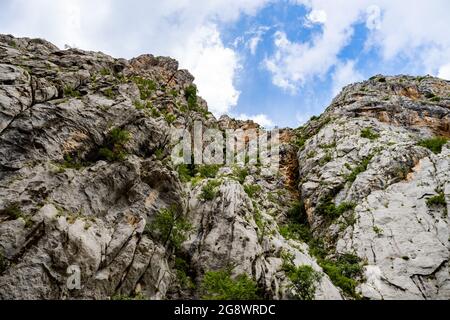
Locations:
{"points": [[260, 119], [413, 30], [187, 30], [444, 72], [344, 74], [316, 17]]}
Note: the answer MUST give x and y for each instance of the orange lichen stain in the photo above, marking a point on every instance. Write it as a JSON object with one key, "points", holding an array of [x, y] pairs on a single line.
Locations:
{"points": [[74, 142], [132, 219], [151, 198]]}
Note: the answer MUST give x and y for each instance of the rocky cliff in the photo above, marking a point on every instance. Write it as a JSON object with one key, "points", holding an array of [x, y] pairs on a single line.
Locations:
{"points": [[91, 207]]}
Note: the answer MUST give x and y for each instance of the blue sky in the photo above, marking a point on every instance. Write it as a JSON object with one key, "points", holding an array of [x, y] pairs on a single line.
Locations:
{"points": [[278, 62]]}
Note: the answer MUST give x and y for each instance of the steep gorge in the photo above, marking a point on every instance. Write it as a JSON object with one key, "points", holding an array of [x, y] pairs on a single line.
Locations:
{"points": [[358, 209]]}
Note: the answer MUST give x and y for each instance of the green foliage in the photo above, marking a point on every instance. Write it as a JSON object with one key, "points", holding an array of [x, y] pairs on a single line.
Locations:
{"points": [[188, 171], [344, 271], [209, 190], [314, 118], [170, 118], [219, 285], [71, 92], [328, 209], [434, 144], [71, 162], [297, 225], [185, 172], [435, 99], [208, 170], [3, 263], [328, 146], [252, 189], [359, 169], [432, 97], [105, 72], [182, 270], [159, 153], [438, 200], [382, 79], [304, 281], [124, 297], [109, 93], [369, 134], [378, 230], [327, 158], [114, 148], [146, 87], [240, 174], [170, 227], [14, 212], [190, 93]]}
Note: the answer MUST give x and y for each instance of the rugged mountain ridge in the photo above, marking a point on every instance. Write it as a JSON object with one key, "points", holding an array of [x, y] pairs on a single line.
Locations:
{"points": [[86, 186]]}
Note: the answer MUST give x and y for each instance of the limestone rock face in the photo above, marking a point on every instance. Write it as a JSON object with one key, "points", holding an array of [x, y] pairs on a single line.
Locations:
{"points": [[91, 207], [365, 150]]}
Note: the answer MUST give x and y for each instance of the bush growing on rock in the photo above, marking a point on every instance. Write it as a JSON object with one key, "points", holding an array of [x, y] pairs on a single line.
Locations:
{"points": [[434, 144], [170, 227], [368, 133], [209, 191], [114, 148], [219, 285]]}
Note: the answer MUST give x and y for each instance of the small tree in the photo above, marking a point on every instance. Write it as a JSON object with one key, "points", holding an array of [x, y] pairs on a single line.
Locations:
{"points": [[170, 227]]}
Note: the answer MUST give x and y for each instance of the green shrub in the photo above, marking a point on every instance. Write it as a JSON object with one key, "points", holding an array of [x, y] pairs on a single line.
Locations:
{"points": [[304, 281], [71, 162], [434, 144], [252, 189], [240, 174], [327, 158], [344, 272], [159, 153], [186, 172], [219, 285], [3, 263], [328, 209], [125, 297], [190, 93], [297, 226], [378, 230], [170, 227], [182, 269], [170, 117], [114, 148], [71, 92], [209, 190], [369, 134], [105, 72], [109, 93], [328, 146], [14, 212], [362, 167], [438, 200], [208, 170], [146, 87], [382, 79]]}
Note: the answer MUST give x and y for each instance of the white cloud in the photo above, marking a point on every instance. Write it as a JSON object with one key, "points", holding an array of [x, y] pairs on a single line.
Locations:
{"points": [[345, 74], [260, 119], [316, 17], [444, 72], [414, 30], [186, 30]]}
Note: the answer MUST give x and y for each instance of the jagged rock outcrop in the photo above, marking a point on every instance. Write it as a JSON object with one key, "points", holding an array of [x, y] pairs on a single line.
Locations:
{"points": [[87, 187], [365, 150]]}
